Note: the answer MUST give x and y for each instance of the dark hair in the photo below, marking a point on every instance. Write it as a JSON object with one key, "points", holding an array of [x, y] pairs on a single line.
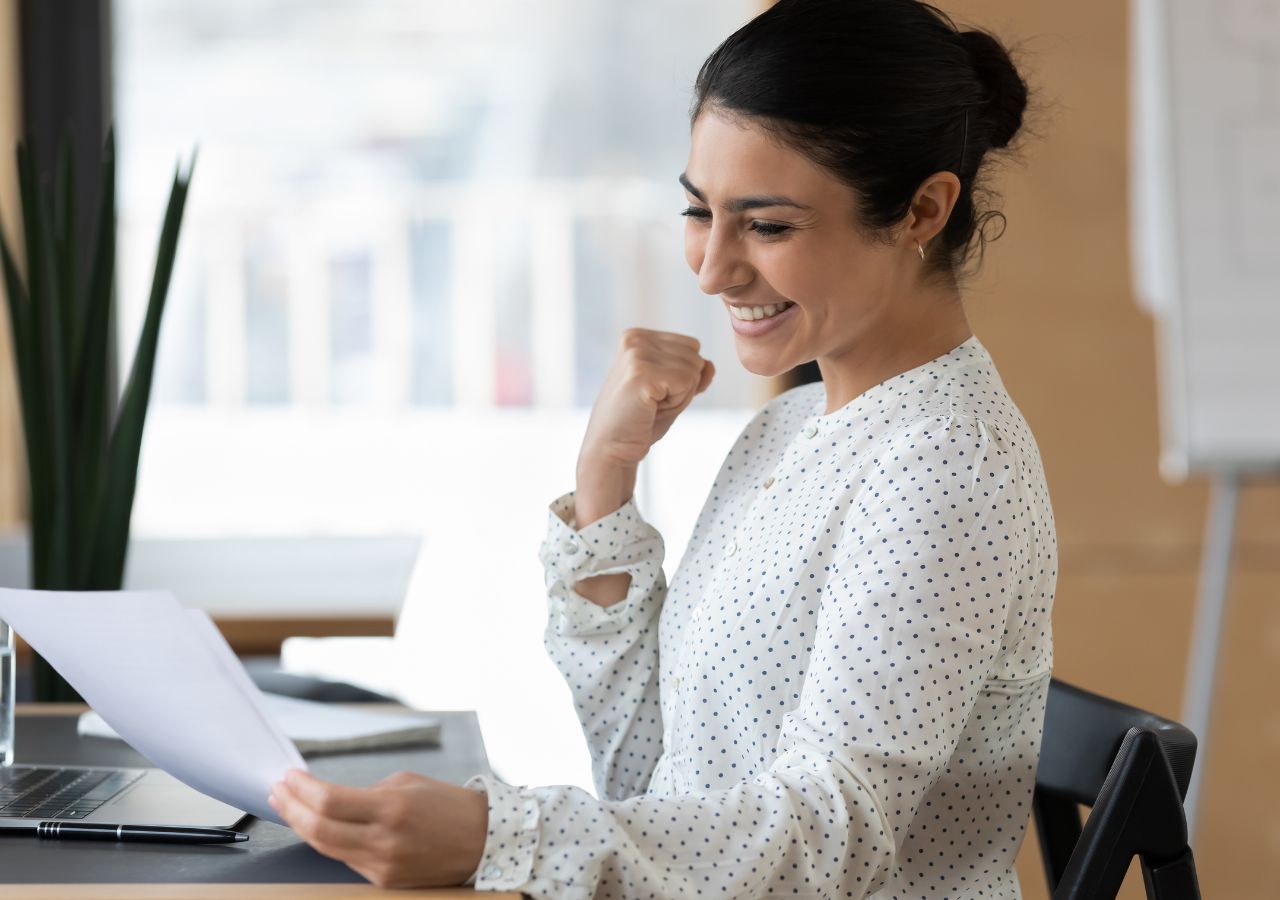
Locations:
{"points": [[881, 93]]}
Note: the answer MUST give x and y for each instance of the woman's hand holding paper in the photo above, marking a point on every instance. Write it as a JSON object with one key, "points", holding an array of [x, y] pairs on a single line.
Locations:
{"points": [[405, 831]]}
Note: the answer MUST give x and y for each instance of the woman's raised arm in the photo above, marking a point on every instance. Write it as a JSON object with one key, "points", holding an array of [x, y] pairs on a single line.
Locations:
{"points": [[653, 378]]}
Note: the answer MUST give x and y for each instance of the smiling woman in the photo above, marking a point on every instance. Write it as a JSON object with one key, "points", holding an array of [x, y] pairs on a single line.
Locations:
{"points": [[863, 305], [841, 691]]}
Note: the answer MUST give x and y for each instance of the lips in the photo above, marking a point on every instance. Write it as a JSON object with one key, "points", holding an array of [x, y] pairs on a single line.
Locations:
{"points": [[758, 327]]}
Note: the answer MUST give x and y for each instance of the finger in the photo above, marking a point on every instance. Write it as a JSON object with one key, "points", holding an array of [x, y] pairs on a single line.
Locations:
{"points": [[332, 837], [655, 392], [672, 373], [708, 372], [333, 801], [679, 401], [683, 341], [676, 399], [401, 779], [679, 348], [667, 359], [699, 376], [685, 400], [666, 343], [665, 390], [636, 337]]}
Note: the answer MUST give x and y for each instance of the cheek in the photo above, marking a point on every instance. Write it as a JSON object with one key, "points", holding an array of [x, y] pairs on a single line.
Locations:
{"points": [[819, 271], [792, 272]]}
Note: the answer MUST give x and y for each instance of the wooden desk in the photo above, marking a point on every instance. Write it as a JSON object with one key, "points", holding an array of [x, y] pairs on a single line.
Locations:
{"points": [[46, 734], [264, 635]]}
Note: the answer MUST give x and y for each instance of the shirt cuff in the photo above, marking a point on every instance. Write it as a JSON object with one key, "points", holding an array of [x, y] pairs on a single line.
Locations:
{"points": [[512, 839], [622, 541]]}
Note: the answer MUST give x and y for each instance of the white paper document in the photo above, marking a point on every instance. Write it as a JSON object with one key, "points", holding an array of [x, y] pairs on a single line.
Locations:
{"points": [[165, 679], [323, 727]]}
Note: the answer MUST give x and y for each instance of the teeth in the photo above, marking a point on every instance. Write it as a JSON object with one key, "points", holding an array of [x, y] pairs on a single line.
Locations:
{"points": [[750, 313]]}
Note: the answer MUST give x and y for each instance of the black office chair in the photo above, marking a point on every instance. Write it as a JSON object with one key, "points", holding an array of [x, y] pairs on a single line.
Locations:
{"points": [[1133, 769]]}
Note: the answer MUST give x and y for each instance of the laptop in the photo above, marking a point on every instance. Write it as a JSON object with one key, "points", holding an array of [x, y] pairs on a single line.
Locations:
{"points": [[119, 796]]}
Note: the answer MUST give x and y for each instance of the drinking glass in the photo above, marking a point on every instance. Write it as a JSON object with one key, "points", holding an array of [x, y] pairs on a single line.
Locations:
{"points": [[8, 691]]}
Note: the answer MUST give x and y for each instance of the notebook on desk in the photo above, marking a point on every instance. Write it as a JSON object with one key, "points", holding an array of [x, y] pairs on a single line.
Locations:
{"points": [[319, 728]]}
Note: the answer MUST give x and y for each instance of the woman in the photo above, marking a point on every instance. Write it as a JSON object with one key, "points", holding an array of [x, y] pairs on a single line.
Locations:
{"points": [[841, 692]]}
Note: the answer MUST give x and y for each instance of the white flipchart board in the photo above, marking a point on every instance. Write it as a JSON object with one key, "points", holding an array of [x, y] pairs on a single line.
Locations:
{"points": [[1205, 177], [1205, 157]]}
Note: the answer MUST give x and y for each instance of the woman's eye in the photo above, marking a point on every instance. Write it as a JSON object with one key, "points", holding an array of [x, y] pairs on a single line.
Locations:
{"points": [[764, 229], [769, 229]]}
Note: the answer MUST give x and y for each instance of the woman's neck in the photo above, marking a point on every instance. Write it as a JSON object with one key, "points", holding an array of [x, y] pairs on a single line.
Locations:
{"points": [[937, 328]]}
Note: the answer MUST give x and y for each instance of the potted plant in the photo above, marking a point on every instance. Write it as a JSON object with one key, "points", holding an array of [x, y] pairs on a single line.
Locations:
{"points": [[82, 440]]}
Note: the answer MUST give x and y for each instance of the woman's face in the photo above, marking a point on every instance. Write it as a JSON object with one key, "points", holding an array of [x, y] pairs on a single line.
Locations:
{"points": [[768, 228]]}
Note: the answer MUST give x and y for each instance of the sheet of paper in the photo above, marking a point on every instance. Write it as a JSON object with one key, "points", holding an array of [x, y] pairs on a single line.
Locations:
{"points": [[320, 726], [164, 678]]}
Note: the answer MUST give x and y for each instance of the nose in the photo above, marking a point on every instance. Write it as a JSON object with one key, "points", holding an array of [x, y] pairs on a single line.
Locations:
{"points": [[718, 259]]}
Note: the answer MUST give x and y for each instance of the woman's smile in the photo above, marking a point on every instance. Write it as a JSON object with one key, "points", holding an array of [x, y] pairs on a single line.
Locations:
{"points": [[755, 321]]}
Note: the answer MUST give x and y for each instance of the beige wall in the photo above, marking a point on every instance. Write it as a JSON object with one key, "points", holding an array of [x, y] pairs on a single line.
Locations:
{"points": [[12, 491], [1055, 307]]}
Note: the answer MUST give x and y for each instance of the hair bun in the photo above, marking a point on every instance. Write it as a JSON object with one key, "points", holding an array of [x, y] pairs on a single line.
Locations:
{"points": [[1006, 91]]}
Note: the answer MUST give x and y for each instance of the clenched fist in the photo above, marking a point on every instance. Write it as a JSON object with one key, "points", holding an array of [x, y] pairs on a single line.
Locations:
{"points": [[653, 378]]}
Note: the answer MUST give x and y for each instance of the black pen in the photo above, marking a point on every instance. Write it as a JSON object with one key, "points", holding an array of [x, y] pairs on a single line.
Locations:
{"points": [[94, 831]]}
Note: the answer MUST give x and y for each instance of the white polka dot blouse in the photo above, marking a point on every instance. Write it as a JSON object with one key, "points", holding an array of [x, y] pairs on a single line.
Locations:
{"points": [[840, 693]]}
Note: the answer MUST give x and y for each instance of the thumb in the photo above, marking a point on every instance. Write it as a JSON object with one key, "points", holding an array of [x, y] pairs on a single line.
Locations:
{"points": [[708, 373]]}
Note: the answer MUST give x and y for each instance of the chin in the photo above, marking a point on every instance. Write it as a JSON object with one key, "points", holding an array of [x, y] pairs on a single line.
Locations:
{"points": [[764, 364]]}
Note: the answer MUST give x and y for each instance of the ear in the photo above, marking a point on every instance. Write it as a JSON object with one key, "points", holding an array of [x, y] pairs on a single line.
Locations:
{"points": [[931, 207]]}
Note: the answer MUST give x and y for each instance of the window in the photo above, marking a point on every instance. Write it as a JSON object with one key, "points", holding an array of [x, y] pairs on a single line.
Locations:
{"points": [[415, 231]]}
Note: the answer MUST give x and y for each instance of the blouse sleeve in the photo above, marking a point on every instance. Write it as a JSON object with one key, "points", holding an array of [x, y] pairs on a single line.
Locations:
{"points": [[909, 626], [608, 655]]}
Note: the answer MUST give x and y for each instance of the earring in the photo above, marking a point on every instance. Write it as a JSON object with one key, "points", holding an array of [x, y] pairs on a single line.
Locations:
{"points": [[920, 248]]}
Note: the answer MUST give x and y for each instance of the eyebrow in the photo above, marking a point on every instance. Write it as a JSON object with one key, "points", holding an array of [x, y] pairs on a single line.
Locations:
{"points": [[743, 203]]}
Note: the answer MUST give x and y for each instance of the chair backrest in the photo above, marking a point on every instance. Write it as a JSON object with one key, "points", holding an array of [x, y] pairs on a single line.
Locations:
{"points": [[1133, 768]]}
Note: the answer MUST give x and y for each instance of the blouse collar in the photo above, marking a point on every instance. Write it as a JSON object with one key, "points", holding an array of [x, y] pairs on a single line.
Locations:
{"points": [[874, 398]]}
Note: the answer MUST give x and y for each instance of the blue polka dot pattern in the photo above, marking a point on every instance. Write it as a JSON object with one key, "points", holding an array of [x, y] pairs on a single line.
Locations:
{"points": [[841, 693]]}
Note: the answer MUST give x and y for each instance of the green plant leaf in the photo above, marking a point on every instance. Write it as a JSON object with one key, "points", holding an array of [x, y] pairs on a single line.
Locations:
{"points": [[92, 398], [19, 315], [61, 571], [19, 311], [16, 296], [64, 237], [45, 441], [112, 526]]}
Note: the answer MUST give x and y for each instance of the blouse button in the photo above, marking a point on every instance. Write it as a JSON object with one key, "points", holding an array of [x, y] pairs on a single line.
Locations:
{"points": [[768, 482], [730, 548], [810, 431], [570, 546], [492, 871]]}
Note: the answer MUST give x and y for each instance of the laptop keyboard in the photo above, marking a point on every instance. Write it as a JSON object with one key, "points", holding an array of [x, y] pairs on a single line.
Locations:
{"points": [[42, 792]]}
